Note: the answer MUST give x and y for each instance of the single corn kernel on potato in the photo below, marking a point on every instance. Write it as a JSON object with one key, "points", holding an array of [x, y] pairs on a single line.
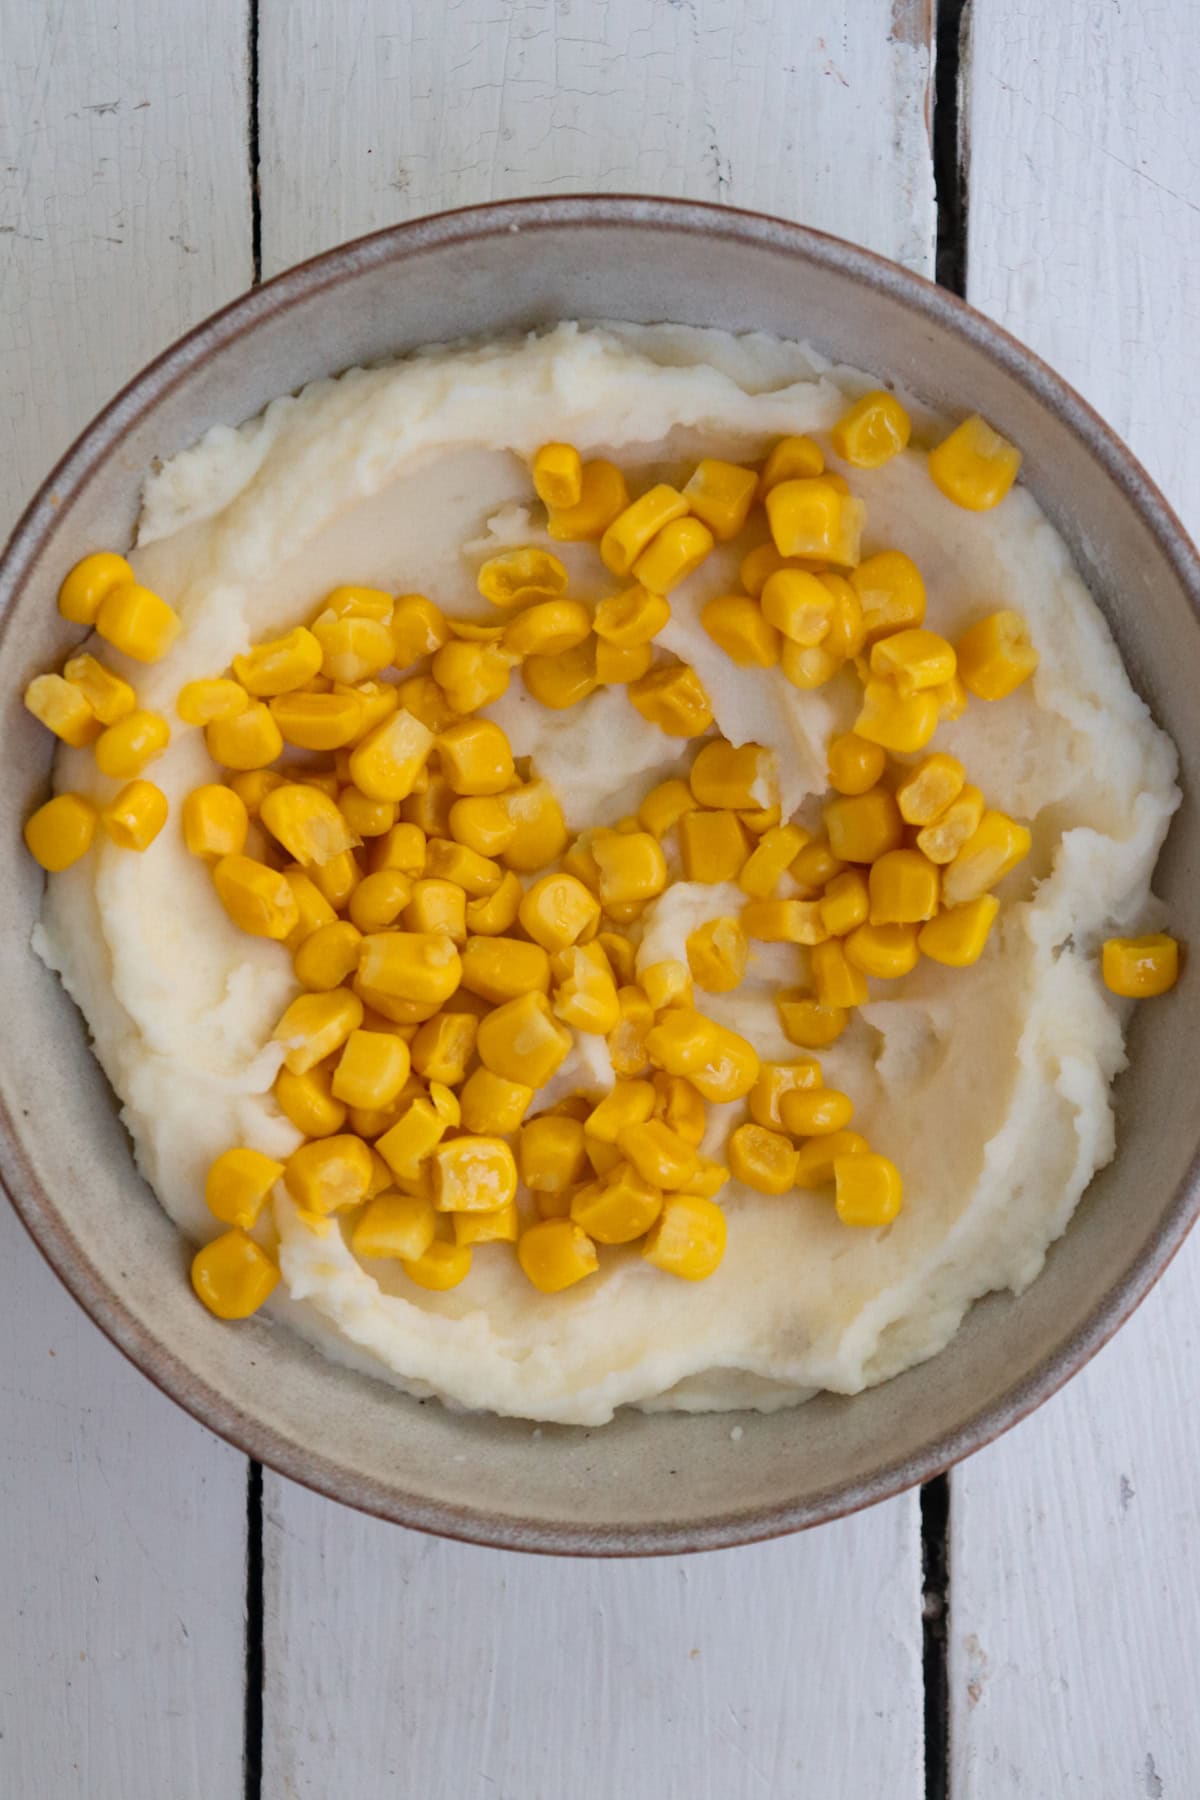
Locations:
{"points": [[325, 781], [249, 741], [869, 1189], [1140, 968], [495, 914], [952, 700], [551, 1154], [791, 459], [736, 624], [109, 697], [844, 639], [257, 899], [562, 681], [720, 494], [717, 952], [713, 846], [836, 982], [942, 841], [957, 936], [875, 429], [400, 1225], [742, 777], [558, 911], [203, 702], [419, 629], [664, 806], [337, 878], [314, 721], [811, 520], [482, 823], [403, 848], [238, 1184], [996, 847], [863, 827], [137, 622], [771, 857], [358, 603], [816, 1156], [417, 1132], [854, 764], [672, 555], [417, 966], [471, 675], [521, 577], [330, 1175], [619, 664], [503, 968], [62, 708], [443, 1266], [124, 749], [929, 788], [314, 1026], [814, 1112], [443, 1046], [758, 565], [678, 1104], [674, 699], [896, 722], [904, 888], [996, 655], [379, 900], [707, 1182], [548, 629], [688, 1238], [815, 866], [630, 867], [88, 584], [252, 787], [913, 660], [476, 875], [773, 1082], [784, 922], [134, 819], [885, 951], [626, 1103], [808, 667], [808, 1023], [719, 1063], [798, 605], [541, 834], [215, 821], [666, 983], [618, 1207], [500, 1227], [435, 904], [473, 1174], [523, 1040], [371, 1069], [659, 1154], [491, 1104], [845, 904], [631, 618], [233, 1276], [974, 466], [585, 996], [353, 647], [627, 1042], [476, 757], [603, 497], [555, 1254], [313, 908], [367, 818], [387, 762], [307, 1100], [280, 665], [308, 824], [557, 475], [633, 529], [765, 1160], [891, 592]]}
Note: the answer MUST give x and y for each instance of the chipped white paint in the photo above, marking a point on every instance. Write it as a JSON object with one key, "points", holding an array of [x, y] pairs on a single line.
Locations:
{"points": [[1075, 1559]]}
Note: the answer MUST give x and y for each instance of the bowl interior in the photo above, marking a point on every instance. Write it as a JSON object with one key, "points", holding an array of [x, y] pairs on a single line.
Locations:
{"points": [[642, 1483]]}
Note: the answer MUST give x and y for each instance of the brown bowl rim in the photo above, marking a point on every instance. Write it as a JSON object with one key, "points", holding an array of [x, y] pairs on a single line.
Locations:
{"points": [[37, 1209]]}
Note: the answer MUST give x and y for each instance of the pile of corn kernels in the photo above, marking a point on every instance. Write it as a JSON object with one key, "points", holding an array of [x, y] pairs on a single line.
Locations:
{"points": [[449, 937]]}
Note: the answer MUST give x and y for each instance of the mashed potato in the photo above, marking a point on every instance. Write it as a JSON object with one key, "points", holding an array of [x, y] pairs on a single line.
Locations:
{"points": [[989, 1087]]}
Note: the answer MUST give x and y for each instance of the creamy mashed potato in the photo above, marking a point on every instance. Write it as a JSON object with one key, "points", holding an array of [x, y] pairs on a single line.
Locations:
{"points": [[989, 1087]]}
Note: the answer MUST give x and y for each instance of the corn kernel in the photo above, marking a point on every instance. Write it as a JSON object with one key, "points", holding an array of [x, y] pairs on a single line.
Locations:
{"points": [[996, 655], [667, 983], [358, 603], [249, 741], [619, 664], [974, 466], [403, 848], [836, 981], [815, 1112], [330, 1175], [707, 1182], [564, 680], [353, 647], [134, 819], [626, 1103], [215, 821], [996, 847], [327, 957], [87, 584], [791, 459], [810, 519], [846, 903], [712, 845], [603, 497], [557, 475], [308, 1102], [913, 660], [631, 618], [257, 899], [1140, 968], [204, 702], [929, 788], [523, 1040], [136, 622], [672, 555], [366, 818], [557, 911], [279, 666], [63, 708], [885, 951], [314, 1026], [233, 1276], [109, 697], [688, 1238], [497, 913], [252, 787], [634, 528], [476, 757], [784, 922], [386, 763], [721, 494], [541, 834], [619, 1207], [846, 633], [555, 1254], [718, 1063], [548, 629], [735, 623], [942, 841], [551, 1155], [372, 1069], [808, 1023], [896, 722], [307, 823], [775, 852], [443, 1046], [473, 1174], [808, 667], [717, 953], [875, 429], [762, 1159], [520, 577], [869, 1189], [471, 675], [400, 1225], [337, 878], [815, 1158], [815, 866], [379, 899], [892, 594], [956, 937], [406, 1144], [854, 764], [502, 968], [499, 1227], [627, 1041], [482, 823], [477, 875], [238, 1185], [678, 1104], [658, 1154], [418, 629], [443, 1266], [742, 777], [773, 1082], [491, 1103], [124, 749], [664, 806], [758, 565], [952, 700], [313, 909], [798, 605], [630, 865], [673, 698], [325, 781], [862, 827], [904, 888], [423, 968]]}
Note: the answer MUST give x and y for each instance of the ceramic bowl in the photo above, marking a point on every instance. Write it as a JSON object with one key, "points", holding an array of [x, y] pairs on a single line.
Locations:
{"points": [[644, 1483]]}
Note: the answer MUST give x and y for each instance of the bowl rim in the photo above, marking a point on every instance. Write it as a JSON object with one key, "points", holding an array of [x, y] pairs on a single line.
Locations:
{"points": [[36, 1208]]}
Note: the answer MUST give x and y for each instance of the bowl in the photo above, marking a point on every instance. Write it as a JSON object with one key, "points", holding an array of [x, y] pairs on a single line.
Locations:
{"points": [[644, 1483]]}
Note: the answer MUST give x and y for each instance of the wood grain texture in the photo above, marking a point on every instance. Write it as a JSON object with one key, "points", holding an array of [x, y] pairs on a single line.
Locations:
{"points": [[379, 112], [1076, 1572], [124, 218]]}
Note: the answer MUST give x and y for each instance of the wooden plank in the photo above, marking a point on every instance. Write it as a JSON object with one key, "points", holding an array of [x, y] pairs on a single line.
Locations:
{"points": [[1076, 1572], [452, 1670], [124, 218]]}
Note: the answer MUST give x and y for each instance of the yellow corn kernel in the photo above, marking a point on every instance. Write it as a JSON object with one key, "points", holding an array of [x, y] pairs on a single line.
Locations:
{"points": [[557, 911], [798, 605], [562, 681], [736, 624], [541, 832], [808, 1023], [996, 847], [904, 888], [136, 622], [372, 1069], [792, 459], [443, 1266], [473, 1174], [816, 1157], [627, 1041], [773, 1082], [956, 937], [815, 866], [499, 1227], [633, 529], [974, 466], [678, 1104], [416, 966], [758, 565], [87, 584], [521, 577], [836, 982], [664, 806], [419, 629], [313, 910], [619, 664], [996, 655], [250, 741], [846, 633], [845, 904], [815, 1112], [631, 866], [307, 823], [854, 764], [673, 698], [725, 776], [502, 968], [555, 1254], [204, 702], [548, 629], [471, 675], [443, 1046], [406, 1144], [631, 618], [215, 821], [477, 875], [238, 1184], [929, 788], [875, 429], [358, 603], [373, 1121], [862, 827], [1138, 968], [134, 819], [378, 900], [808, 667], [314, 1026], [551, 1154], [869, 1189], [762, 819], [60, 832], [885, 951], [63, 708], [688, 1238], [603, 496], [579, 862], [482, 823], [667, 983], [400, 1225], [279, 666], [721, 494], [763, 1159], [712, 845], [717, 952], [942, 841], [308, 1102], [106, 694], [497, 913], [619, 1207], [476, 757], [913, 660], [491, 1103], [330, 1175], [626, 1103], [403, 848], [784, 921], [672, 555], [257, 899], [325, 781], [353, 647], [337, 878], [366, 818], [423, 698], [718, 1063], [557, 475], [232, 1275], [124, 749], [386, 763], [775, 852], [523, 1040], [658, 1154], [252, 787], [952, 700], [896, 722], [810, 519], [892, 594]]}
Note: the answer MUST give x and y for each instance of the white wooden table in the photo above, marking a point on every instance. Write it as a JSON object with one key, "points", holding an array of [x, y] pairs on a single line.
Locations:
{"points": [[177, 1626]]}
